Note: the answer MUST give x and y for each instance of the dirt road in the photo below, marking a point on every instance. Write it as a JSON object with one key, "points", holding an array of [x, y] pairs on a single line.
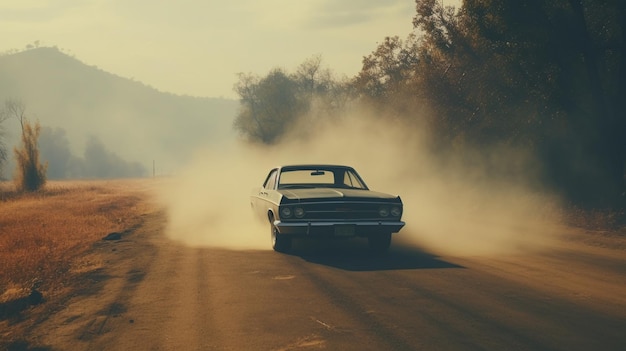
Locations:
{"points": [[155, 294]]}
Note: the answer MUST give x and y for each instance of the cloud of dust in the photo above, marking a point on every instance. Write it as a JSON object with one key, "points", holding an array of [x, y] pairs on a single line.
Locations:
{"points": [[452, 204], [207, 204]]}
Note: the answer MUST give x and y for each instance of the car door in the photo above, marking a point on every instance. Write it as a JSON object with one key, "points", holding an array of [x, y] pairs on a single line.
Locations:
{"points": [[262, 197]]}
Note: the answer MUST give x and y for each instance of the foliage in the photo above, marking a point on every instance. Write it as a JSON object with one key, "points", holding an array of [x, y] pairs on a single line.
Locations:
{"points": [[97, 162], [389, 70], [271, 105], [549, 76], [55, 150], [311, 78], [545, 74]]}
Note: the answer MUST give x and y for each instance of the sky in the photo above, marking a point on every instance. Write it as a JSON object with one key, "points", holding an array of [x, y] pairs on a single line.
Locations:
{"points": [[197, 47]]}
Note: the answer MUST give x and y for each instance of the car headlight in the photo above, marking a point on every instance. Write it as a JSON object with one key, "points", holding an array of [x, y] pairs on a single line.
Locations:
{"points": [[298, 212], [396, 211], [383, 212], [285, 212]]}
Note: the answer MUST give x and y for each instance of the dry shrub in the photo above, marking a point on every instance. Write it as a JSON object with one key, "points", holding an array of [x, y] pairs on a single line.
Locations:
{"points": [[44, 234], [30, 173]]}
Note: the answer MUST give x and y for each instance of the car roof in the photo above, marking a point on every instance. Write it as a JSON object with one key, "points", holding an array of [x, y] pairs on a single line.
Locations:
{"points": [[313, 166]]}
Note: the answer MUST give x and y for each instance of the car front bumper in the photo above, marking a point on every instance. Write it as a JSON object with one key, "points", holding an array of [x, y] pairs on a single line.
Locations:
{"points": [[338, 228]]}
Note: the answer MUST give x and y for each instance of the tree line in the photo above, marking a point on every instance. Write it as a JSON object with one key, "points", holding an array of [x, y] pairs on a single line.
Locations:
{"points": [[548, 76], [97, 162], [44, 153]]}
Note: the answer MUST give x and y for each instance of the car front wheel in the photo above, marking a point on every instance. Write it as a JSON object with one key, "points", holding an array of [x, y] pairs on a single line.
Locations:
{"points": [[380, 242], [280, 243]]}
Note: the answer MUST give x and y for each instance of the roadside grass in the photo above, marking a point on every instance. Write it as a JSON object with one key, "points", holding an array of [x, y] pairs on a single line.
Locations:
{"points": [[45, 236]]}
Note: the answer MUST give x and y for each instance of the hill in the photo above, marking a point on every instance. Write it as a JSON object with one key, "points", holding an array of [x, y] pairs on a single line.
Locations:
{"points": [[124, 118]]}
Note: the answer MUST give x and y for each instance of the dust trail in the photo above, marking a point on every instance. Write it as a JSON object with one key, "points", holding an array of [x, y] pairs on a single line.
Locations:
{"points": [[208, 203], [453, 204]]}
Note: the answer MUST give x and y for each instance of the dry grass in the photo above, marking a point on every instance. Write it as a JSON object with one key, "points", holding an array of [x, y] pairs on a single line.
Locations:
{"points": [[44, 236]]}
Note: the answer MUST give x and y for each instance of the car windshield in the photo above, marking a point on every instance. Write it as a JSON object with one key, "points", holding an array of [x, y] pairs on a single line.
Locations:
{"points": [[337, 177]]}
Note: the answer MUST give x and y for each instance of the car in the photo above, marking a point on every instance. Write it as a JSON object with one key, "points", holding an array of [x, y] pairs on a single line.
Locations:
{"points": [[325, 202]]}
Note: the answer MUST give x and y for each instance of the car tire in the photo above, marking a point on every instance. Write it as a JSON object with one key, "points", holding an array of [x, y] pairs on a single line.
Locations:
{"points": [[280, 243], [379, 243]]}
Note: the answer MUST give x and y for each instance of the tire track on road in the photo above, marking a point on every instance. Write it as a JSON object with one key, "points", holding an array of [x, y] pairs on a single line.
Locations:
{"points": [[341, 289]]}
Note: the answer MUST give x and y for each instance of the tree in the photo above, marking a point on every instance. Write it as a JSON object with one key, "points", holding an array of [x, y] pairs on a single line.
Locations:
{"points": [[55, 150], [320, 92], [389, 69], [312, 78], [269, 105], [550, 75], [30, 173], [388, 80], [98, 162], [272, 105]]}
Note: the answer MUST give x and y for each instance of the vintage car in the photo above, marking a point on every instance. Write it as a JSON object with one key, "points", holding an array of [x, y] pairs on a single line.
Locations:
{"points": [[326, 202]]}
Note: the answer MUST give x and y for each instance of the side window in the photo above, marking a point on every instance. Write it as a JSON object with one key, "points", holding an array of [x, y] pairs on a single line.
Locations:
{"points": [[270, 182], [347, 180], [350, 180]]}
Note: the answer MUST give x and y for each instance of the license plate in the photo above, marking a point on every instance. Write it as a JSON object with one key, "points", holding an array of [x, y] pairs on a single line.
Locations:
{"points": [[344, 230]]}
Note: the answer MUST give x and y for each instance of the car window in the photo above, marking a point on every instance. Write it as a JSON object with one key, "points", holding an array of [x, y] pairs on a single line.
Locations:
{"points": [[352, 181], [311, 178], [306, 177], [270, 182]]}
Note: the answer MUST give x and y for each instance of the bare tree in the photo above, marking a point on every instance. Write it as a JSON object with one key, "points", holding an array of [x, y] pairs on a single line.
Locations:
{"points": [[31, 174]]}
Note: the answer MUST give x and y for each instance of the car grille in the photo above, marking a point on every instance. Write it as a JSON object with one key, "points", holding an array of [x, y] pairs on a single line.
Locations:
{"points": [[344, 211]]}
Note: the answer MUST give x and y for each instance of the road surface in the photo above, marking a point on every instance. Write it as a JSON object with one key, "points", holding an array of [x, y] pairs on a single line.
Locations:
{"points": [[155, 294]]}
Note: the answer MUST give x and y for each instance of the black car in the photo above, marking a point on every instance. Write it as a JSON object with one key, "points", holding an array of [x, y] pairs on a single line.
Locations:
{"points": [[326, 202]]}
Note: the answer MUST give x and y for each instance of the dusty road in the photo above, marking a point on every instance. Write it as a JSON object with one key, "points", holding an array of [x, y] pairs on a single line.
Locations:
{"points": [[155, 294]]}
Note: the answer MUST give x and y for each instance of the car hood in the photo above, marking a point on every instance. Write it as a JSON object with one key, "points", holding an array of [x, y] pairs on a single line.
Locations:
{"points": [[329, 193]]}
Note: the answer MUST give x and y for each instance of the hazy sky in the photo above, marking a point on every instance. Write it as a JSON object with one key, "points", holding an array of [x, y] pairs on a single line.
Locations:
{"points": [[197, 47]]}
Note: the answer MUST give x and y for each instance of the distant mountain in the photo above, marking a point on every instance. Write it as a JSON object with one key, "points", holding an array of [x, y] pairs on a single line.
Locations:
{"points": [[135, 122]]}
